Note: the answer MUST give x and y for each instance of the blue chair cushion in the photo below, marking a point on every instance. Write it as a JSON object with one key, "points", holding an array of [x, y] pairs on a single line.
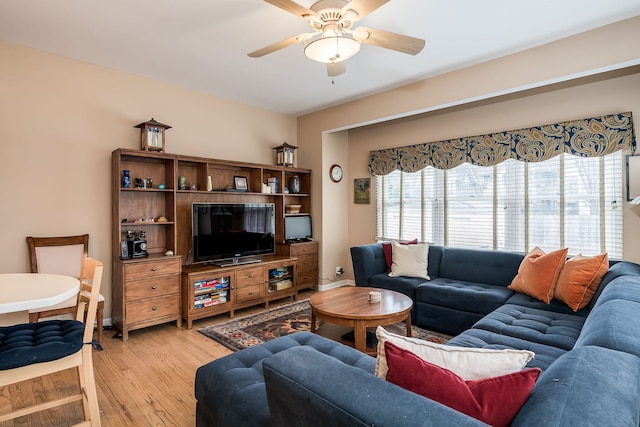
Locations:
{"points": [[29, 343]]}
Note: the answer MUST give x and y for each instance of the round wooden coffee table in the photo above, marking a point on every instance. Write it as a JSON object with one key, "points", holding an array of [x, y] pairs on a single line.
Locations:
{"points": [[350, 306]]}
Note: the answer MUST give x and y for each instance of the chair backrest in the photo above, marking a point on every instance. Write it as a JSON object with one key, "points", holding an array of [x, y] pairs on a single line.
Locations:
{"points": [[58, 255], [90, 281]]}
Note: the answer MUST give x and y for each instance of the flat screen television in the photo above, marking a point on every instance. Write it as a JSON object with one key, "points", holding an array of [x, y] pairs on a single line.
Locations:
{"points": [[231, 233], [297, 228]]}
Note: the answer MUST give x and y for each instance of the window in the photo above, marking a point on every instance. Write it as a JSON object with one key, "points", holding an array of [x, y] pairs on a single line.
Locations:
{"points": [[567, 201]]}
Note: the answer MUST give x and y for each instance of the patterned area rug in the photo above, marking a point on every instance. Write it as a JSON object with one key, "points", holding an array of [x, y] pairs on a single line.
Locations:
{"points": [[287, 319]]}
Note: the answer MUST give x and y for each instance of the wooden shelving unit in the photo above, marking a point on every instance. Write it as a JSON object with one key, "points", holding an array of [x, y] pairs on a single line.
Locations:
{"points": [[139, 209]]}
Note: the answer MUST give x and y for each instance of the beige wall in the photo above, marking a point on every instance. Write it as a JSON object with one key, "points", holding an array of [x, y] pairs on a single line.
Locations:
{"points": [[554, 82], [60, 120]]}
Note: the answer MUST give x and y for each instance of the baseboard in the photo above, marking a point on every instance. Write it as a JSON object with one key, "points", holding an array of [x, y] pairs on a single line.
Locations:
{"points": [[338, 284]]}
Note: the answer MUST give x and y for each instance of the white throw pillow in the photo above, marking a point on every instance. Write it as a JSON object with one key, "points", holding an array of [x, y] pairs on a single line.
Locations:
{"points": [[409, 260], [466, 362]]}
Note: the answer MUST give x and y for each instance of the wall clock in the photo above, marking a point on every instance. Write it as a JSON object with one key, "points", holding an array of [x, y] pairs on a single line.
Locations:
{"points": [[335, 173]]}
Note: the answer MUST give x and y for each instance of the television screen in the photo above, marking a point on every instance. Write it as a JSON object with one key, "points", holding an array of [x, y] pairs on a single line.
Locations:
{"points": [[232, 230], [297, 228]]}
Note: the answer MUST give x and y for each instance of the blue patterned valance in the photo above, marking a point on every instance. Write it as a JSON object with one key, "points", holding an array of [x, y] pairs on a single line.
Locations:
{"points": [[587, 137]]}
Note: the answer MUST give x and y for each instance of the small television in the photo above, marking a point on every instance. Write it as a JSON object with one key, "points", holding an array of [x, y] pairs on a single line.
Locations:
{"points": [[232, 233], [297, 228]]}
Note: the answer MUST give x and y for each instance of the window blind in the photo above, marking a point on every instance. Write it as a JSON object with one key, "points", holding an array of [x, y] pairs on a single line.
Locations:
{"points": [[566, 201]]}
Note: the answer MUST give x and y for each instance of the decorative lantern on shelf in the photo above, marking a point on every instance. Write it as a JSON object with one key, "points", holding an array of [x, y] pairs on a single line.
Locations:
{"points": [[152, 135], [284, 154]]}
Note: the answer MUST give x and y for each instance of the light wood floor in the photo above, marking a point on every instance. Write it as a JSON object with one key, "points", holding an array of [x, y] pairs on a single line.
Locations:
{"points": [[147, 380]]}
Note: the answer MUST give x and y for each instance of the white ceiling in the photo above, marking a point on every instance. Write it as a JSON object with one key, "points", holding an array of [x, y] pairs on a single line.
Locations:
{"points": [[203, 44]]}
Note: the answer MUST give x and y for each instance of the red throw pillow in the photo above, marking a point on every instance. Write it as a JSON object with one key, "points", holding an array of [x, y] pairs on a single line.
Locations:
{"points": [[388, 251], [494, 401]]}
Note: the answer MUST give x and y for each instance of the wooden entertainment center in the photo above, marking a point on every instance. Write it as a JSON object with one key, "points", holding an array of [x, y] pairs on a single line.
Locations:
{"points": [[151, 287]]}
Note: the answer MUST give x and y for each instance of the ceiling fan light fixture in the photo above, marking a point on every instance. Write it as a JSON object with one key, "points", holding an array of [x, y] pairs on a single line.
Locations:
{"points": [[332, 49]]}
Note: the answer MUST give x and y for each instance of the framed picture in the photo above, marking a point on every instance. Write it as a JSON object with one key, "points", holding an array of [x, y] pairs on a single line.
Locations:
{"points": [[633, 177], [240, 183], [361, 191]]}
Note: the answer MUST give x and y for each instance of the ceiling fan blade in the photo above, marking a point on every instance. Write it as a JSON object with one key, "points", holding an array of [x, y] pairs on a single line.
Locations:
{"points": [[276, 46], [294, 8], [389, 40], [363, 7], [336, 68]]}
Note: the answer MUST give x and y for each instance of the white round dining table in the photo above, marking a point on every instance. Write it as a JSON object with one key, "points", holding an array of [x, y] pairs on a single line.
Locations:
{"points": [[26, 291]]}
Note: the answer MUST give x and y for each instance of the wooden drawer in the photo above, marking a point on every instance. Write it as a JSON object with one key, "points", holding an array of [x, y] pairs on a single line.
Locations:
{"points": [[302, 249], [309, 276], [307, 262], [148, 288], [250, 292], [156, 268], [249, 276], [151, 309]]}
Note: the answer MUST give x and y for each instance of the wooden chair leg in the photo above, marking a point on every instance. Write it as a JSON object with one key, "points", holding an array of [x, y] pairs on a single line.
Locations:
{"points": [[99, 320], [88, 384], [33, 317]]}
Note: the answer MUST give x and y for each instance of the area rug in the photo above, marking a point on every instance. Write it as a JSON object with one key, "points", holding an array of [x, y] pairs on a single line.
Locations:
{"points": [[287, 319]]}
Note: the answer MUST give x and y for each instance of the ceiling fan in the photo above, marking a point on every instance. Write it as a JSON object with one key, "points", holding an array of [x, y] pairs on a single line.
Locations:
{"points": [[334, 40]]}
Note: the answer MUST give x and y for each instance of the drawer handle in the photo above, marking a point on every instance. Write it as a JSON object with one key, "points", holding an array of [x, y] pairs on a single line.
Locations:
{"points": [[304, 250], [154, 308], [250, 292], [154, 269], [250, 276], [305, 262], [304, 277], [154, 287]]}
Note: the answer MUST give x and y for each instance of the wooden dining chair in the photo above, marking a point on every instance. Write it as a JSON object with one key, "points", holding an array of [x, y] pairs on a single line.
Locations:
{"points": [[32, 350], [61, 255]]}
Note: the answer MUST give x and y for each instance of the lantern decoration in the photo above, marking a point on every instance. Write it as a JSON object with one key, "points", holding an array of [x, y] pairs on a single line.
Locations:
{"points": [[152, 135], [285, 154]]}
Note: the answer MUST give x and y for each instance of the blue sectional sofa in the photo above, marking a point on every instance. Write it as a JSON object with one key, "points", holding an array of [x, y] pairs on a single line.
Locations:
{"points": [[590, 359]]}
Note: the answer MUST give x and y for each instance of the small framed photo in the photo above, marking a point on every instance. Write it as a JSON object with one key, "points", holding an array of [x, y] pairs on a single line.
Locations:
{"points": [[240, 183], [361, 191]]}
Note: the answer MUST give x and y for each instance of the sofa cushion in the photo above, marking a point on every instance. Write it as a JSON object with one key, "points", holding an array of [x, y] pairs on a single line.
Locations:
{"points": [[545, 355], [579, 279], [467, 296], [409, 260], [306, 388], [616, 270], [554, 305], [405, 285], [238, 377], [624, 288], [531, 324], [479, 266], [613, 324], [538, 273], [493, 400], [444, 319], [467, 363], [588, 386]]}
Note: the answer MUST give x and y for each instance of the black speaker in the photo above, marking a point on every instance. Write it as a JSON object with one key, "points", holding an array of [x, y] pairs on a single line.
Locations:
{"points": [[124, 250]]}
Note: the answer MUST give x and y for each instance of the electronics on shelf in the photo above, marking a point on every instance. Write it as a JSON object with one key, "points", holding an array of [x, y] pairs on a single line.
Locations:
{"points": [[228, 234], [298, 228]]}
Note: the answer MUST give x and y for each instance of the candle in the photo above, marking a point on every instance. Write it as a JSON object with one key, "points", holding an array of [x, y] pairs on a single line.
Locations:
{"points": [[375, 296]]}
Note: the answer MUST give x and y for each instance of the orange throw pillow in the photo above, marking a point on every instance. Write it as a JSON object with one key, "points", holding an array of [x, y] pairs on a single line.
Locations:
{"points": [[579, 280], [538, 273]]}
